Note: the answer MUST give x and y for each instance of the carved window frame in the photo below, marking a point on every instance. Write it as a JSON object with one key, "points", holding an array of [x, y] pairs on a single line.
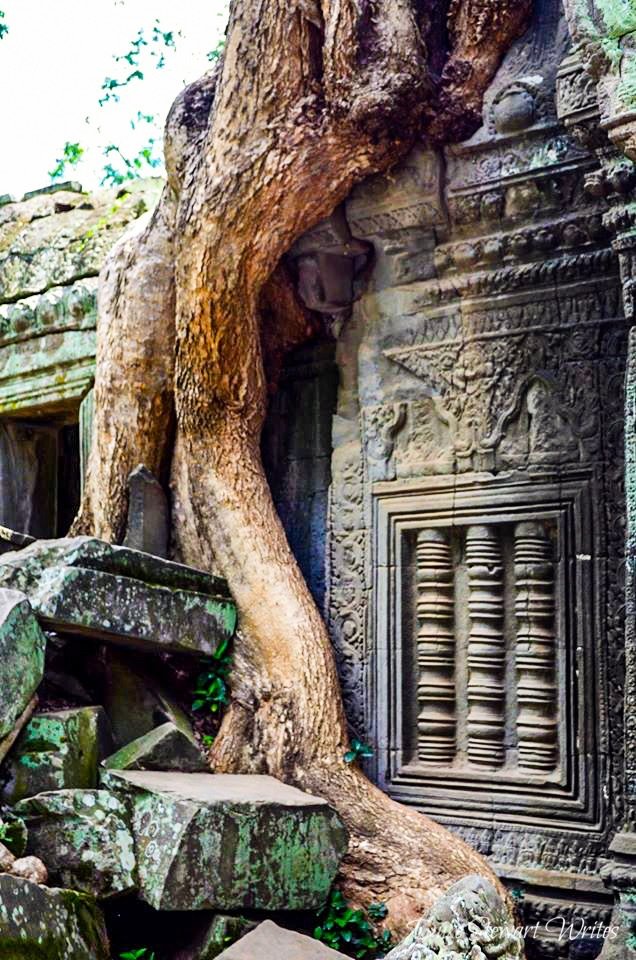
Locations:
{"points": [[571, 500]]}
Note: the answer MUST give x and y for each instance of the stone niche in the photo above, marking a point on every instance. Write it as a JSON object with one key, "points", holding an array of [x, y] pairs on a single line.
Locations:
{"points": [[476, 530]]}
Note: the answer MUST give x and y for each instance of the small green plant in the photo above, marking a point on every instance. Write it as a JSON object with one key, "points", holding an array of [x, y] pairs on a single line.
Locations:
{"points": [[143, 953], [216, 54], [71, 156], [358, 751], [3, 27], [211, 691], [352, 931], [208, 740], [13, 834]]}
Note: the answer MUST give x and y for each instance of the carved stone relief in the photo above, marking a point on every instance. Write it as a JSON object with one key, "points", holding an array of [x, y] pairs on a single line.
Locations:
{"points": [[480, 627]]}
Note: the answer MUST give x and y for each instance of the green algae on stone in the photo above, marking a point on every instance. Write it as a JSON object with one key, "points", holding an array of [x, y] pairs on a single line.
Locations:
{"points": [[44, 923], [224, 842], [86, 587], [165, 748], [22, 647], [84, 838], [56, 750]]}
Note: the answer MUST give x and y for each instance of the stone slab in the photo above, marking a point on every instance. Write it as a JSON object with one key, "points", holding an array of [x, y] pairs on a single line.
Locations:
{"points": [[84, 838], [86, 587], [22, 647], [241, 841], [164, 748], [271, 942], [45, 923], [148, 525], [55, 751]]}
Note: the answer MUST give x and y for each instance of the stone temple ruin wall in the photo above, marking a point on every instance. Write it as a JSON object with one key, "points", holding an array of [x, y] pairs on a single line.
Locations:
{"points": [[52, 245]]}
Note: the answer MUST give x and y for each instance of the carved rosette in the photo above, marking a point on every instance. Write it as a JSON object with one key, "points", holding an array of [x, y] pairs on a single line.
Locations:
{"points": [[486, 647], [535, 648], [435, 647]]}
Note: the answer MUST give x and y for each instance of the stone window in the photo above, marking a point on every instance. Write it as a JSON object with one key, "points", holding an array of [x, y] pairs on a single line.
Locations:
{"points": [[486, 590]]}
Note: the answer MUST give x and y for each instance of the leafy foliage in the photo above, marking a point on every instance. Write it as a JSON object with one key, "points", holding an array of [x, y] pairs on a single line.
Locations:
{"points": [[358, 751], [12, 833], [143, 953], [3, 27], [353, 932], [159, 41], [147, 50], [212, 690], [71, 156], [216, 54], [129, 168]]}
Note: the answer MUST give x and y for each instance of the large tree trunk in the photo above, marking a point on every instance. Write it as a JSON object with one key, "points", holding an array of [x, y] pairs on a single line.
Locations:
{"points": [[312, 97]]}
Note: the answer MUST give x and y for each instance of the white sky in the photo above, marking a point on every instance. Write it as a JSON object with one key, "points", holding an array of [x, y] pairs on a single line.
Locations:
{"points": [[52, 65]]}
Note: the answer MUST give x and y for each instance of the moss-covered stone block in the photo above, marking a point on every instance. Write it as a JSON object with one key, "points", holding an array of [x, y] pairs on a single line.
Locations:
{"points": [[22, 647], [221, 842], [165, 748], [84, 838], [89, 588], [57, 750], [44, 923]]}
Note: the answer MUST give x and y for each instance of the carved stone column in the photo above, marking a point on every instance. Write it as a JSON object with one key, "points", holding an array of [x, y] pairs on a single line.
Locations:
{"points": [[535, 653], [435, 648], [486, 647]]}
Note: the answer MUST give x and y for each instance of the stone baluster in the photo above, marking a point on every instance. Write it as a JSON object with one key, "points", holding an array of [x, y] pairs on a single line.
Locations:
{"points": [[486, 647], [435, 647], [535, 653]]}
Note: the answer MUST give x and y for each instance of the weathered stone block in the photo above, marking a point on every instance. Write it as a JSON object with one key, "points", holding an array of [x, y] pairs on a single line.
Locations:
{"points": [[270, 942], [43, 923], [84, 838], [22, 646], [207, 841], [164, 748], [57, 750], [87, 587], [148, 524]]}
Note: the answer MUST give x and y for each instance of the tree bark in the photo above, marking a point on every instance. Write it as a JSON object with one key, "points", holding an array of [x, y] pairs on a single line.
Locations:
{"points": [[312, 97]]}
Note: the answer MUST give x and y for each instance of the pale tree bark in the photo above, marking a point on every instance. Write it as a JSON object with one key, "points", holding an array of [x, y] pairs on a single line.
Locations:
{"points": [[312, 97]]}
